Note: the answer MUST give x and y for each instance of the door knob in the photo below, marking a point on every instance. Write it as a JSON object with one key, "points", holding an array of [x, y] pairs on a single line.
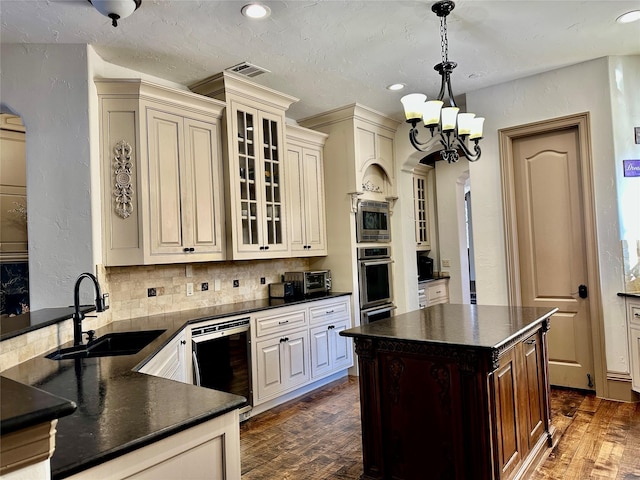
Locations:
{"points": [[582, 291]]}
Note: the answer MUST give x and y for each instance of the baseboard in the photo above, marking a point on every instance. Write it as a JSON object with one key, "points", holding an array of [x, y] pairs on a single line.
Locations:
{"points": [[619, 389]]}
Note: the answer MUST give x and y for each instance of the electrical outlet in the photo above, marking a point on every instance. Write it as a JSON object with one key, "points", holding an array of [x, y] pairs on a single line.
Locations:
{"points": [[151, 292], [236, 283], [204, 287], [446, 263], [189, 289], [216, 285], [263, 280], [188, 271]]}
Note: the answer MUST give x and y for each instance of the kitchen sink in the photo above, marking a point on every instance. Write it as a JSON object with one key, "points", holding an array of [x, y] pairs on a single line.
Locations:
{"points": [[109, 345]]}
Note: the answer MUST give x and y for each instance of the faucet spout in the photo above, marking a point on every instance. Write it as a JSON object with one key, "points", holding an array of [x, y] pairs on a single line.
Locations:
{"points": [[78, 316]]}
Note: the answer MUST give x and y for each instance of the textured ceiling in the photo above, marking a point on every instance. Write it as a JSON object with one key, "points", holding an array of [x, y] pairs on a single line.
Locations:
{"points": [[332, 53]]}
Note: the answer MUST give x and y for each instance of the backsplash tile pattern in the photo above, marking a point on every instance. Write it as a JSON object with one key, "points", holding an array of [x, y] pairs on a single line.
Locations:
{"points": [[128, 286]]}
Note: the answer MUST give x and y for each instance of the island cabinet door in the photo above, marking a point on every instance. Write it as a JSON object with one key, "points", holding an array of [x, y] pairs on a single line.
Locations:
{"points": [[507, 425], [533, 364]]}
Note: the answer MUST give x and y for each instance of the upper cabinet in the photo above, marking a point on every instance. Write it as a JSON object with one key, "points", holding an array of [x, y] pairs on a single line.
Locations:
{"points": [[367, 138], [161, 173], [422, 212], [255, 174], [305, 190]]}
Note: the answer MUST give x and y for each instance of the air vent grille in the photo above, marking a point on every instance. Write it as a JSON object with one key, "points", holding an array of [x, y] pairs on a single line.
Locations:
{"points": [[248, 69]]}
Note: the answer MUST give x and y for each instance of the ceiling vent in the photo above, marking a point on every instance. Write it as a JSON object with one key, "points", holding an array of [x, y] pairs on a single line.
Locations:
{"points": [[248, 69]]}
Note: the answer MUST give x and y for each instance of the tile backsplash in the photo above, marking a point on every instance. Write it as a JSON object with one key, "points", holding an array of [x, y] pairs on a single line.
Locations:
{"points": [[128, 287]]}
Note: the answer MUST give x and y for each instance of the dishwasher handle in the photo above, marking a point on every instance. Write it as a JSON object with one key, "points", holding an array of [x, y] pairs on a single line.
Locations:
{"points": [[196, 367]]}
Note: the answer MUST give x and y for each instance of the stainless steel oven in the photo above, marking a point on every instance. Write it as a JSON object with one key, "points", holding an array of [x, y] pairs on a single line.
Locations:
{"points": [[222, 357], [374, 276]]}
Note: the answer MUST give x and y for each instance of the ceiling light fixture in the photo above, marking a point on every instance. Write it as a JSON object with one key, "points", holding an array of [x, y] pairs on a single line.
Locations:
{"points": [[632, 16], [256, 10], [452, 128], [116, 9]]}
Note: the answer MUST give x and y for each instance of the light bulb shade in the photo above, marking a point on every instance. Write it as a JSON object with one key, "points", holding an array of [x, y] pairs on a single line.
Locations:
{"points": [[465, 120], [476, 128], [412, 104], [117, 9], [449, 115], [431, 112]]}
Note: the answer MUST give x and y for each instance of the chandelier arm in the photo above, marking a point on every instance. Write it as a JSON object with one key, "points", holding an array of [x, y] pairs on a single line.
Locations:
{"points": [[472, 157], [417, 144], [452, 100]]}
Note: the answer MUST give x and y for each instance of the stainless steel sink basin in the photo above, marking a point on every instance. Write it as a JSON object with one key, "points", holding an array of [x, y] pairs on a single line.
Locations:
{"points": [[111, 344]]}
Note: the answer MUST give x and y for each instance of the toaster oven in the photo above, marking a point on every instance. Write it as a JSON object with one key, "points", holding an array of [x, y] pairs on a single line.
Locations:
{"points": [[309, 282]]}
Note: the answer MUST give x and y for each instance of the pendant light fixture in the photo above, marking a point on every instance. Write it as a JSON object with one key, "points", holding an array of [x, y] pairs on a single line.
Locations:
{"points": [[116, 9], [447, 125]]}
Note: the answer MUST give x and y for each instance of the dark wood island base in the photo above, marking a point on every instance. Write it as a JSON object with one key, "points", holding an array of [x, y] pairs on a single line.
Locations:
{"points": [[454, 392]]}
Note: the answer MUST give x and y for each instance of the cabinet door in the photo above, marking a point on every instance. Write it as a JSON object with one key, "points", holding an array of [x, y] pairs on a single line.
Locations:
{"points": [[634, 339], [423, 237], [296, 364], [320, 351], [507, 419], [202, 212], [533, 365], [270, 365], [172, 361], [341, 349], [166, 153], [274, 223], [315, 224]]}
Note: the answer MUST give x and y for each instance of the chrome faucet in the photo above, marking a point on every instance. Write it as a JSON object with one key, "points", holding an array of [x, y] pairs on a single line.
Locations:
{"points": [[78, 316]]}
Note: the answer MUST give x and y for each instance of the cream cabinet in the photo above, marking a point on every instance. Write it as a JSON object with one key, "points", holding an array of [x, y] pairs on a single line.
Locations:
{"points": [[305, 189], [433, 292], [421, 208], [161, 171], [329, 351], [633, 322], [294, 346], [173, 361], [255, 174]]}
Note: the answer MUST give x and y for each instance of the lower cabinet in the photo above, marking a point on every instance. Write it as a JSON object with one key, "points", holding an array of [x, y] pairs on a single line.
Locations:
{"points": [[633, 322], [518, 389], [433, 292], [207, 450], [172, 361], [296, 345], [282, 363]]}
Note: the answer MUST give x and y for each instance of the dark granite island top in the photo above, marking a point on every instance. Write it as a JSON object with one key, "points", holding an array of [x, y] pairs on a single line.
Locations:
{"points": [[119, 409], [459, 391]]}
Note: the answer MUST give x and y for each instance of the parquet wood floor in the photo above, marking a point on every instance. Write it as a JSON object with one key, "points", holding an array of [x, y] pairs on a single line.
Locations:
{"points": [[317, 437]]}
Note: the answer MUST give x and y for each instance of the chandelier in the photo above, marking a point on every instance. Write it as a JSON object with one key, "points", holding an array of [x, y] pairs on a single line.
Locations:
{"points": [[116, 9], [450, 128]]}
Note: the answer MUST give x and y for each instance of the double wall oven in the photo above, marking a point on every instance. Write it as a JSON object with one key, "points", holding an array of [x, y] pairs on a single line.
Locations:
{"points": [[375, 284]]}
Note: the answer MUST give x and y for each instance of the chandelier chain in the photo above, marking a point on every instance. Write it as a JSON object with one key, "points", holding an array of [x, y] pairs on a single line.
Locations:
{"points": [[444, 42]]}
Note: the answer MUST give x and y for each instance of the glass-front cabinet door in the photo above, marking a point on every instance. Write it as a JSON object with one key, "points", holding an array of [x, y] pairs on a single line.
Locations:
{"points": [[259, 209]]}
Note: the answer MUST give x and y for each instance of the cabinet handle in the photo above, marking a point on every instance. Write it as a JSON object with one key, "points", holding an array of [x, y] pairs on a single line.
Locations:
{"points": [[331, 327], [328, 312], [183, 342], [531, 342], [266, 247], [282, 340], [188, 249], [283, 322], [637, 315], [261, 248], [185, 249]]}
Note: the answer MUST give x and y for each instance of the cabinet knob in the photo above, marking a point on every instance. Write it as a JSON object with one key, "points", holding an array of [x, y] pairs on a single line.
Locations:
{"points": [[531, 342], [266, 247], [183, 342], [185, 249], [331, 327]]}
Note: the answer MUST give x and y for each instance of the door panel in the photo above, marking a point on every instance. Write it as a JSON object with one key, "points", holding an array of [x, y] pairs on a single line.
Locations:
{"points": [[552, 251]]}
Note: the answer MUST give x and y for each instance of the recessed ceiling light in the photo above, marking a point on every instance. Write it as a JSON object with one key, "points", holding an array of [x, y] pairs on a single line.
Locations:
{"points": [[396, 86], [632, 16], [256, 10]]}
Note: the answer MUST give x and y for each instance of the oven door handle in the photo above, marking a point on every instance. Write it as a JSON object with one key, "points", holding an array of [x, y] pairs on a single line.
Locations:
{"points": [[204, 337], [383, 261], [379, 310], [196, 367]]}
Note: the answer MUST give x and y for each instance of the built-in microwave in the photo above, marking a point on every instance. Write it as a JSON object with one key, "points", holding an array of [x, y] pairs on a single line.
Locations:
{"points": [[373, 222]]}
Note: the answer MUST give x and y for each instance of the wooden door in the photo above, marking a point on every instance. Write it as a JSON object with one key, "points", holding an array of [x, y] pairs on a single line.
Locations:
{"points": [[552, 247]]}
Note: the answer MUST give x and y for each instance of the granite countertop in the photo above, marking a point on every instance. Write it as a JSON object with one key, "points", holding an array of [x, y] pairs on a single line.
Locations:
{"points": [[120, 409], [20, 324], [23, 406], [472, 326]]}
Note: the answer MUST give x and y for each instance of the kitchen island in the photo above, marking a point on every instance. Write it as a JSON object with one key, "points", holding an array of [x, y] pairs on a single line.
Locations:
{"points": [[454, 392]]}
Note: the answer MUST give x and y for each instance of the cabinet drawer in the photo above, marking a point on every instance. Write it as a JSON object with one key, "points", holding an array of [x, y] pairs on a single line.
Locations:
{"points": [[329, 312], [280, 322], [437, 292]]}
